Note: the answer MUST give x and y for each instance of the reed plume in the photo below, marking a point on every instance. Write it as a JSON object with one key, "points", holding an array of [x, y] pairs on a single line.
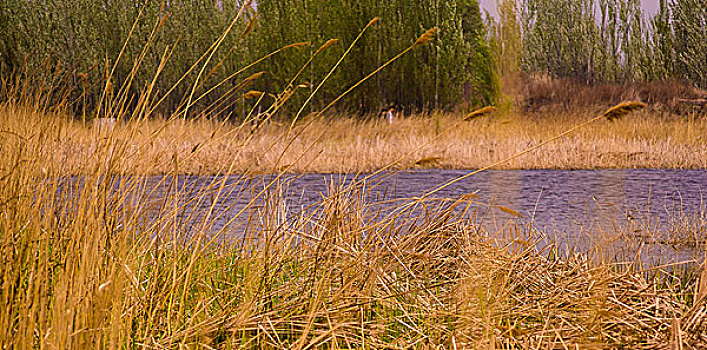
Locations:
{"points": [[622, 109], [252, 94], [326, 45], [426, 37], [249, 27], [373, 21], [253, 77], [296, 45], [480, 113]]}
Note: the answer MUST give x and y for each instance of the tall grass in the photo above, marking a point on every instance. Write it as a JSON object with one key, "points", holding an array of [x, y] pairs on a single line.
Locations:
{"points": [[110, 261], [96, 253], [347, 144]]}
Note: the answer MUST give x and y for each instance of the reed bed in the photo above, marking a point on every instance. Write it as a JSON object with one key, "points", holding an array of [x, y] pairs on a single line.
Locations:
{"points": [[347, 144], [101, 260]]}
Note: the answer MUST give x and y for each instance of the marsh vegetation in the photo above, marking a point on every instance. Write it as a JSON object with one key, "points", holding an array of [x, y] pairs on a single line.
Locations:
{"points": [[89, 259], [100, 264]]}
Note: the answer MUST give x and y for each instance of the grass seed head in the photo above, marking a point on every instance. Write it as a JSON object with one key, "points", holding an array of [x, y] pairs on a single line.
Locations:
{"points": [[297, 45], [326, 45], [163, 20], [426, 37], [509, 211], [252, 94], [83, 78], [622, 109], [249, 27], [480, 113], [253, 77]]}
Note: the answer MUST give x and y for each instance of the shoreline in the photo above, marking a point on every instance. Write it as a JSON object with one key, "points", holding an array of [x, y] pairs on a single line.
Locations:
{"points": [[415, 170], [341, 145]]}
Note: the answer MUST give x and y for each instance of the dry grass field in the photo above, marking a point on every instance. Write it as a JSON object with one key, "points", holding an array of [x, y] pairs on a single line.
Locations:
{"points": [[347, 144]]}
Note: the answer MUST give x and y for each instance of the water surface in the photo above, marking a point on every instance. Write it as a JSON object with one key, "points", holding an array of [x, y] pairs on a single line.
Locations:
{"points": [[657, 212]]}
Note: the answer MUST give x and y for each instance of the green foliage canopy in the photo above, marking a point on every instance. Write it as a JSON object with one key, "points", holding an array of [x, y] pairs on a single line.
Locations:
{"points": [[84, 38]]}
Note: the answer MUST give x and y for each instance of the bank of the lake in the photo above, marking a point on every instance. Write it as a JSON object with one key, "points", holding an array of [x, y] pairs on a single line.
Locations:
{"points": [[348, 144]]}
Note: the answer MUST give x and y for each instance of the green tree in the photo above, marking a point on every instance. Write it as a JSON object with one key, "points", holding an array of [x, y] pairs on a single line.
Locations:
{"points": [[506, 37]]}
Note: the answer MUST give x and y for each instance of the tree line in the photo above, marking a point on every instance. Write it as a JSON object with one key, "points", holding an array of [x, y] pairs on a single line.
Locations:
{"points": [[602, 40], [95, 47]]}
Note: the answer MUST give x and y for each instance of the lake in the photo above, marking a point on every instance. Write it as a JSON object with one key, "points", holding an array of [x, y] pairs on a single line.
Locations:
{"points": [[658, 215]]}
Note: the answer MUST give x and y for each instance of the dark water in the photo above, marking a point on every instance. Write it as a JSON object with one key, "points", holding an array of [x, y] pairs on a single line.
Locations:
{"points": [[555, 200], [660, 213]]}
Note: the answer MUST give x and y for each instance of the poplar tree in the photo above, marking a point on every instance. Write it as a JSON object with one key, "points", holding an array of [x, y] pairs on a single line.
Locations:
{"points": [[506, 37], [614, 40], [85, 38]]}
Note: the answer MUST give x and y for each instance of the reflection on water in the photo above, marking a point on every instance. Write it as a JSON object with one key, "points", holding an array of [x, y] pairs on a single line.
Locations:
{"points": [[562, 200], [657, 212]]}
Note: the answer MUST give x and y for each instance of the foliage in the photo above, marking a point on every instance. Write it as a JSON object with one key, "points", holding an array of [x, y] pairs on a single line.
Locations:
{"points": [[82, 40], [607, 40], [427, 77], [505, 38]]}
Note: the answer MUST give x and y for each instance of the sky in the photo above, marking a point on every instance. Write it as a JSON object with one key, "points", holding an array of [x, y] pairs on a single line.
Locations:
{"points": [[650, 6]]}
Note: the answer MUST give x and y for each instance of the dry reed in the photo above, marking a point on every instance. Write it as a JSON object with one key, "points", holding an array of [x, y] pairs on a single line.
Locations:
{"points": [[112, 261], [622, 109], [349, 145]]}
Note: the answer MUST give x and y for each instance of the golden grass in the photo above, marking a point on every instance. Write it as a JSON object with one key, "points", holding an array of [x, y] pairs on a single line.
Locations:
{"points": [[89, 268], [344, 144], [96, 261]]}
